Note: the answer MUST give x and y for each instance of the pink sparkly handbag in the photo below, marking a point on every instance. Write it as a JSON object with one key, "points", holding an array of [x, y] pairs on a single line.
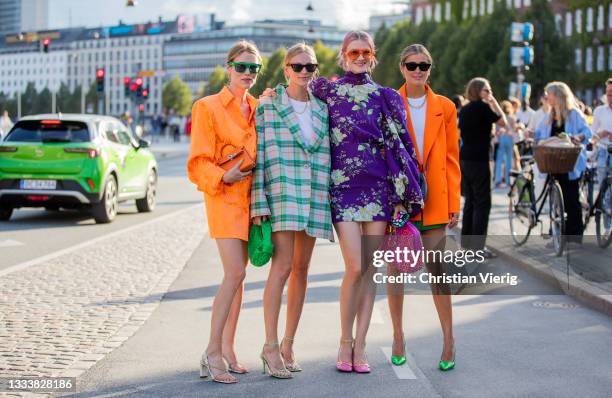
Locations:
{"points": [[407, 237]]}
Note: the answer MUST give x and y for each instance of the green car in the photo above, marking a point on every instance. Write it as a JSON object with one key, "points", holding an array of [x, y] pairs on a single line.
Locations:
{"points": [[75, 161]]}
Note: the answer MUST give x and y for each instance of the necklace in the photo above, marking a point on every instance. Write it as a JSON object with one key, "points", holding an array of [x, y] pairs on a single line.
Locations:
{"points": [[306, 106], [419, 106]]}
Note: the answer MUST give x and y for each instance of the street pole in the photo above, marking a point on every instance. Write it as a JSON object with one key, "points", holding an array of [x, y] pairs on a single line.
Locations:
{"points": [[82, 99], [53, 101], [18, 104]]}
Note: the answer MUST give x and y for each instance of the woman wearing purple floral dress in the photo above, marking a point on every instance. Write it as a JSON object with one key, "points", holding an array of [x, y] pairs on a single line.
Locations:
{"points": [[374, 175]]}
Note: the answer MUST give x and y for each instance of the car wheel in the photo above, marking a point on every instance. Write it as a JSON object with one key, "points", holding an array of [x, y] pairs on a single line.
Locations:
{"points": [[106, 210], [147, 203], [5, 213]]}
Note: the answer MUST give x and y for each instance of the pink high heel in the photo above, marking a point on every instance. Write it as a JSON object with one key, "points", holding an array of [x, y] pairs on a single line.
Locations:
{"points": [[341, 366], [360, 367]]}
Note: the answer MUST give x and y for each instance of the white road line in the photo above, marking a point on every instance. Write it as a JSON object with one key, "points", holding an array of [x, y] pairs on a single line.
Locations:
{"points": [[403, 372], [10, 243], [47, 257]]}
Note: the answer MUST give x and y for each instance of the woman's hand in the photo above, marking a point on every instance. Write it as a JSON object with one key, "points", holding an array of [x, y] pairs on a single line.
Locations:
{"points": [[234, 174], [258, 219], [269, 92], [453, 219], [398, 207]]}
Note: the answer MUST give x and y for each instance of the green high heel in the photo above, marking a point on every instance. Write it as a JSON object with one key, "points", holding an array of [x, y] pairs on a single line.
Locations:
{"points": [[399, 360], [448, 365]]}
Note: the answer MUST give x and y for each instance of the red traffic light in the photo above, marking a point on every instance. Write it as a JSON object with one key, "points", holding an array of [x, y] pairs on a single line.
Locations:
{"points": [[139, 81], [46, 41], [141, 107], [100, 73], [145, 93], [133, 87], [127, 80]]}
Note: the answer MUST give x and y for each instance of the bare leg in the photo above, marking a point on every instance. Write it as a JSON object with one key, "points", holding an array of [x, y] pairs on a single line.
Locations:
{"points": [[395, 298], [229, 332], [367, 290], [349, 235], [273, 293], [296, 291], [232, 252], [435, 239]]}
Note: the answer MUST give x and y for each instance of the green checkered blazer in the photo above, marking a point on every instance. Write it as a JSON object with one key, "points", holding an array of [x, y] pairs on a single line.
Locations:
{"points": [[291, 179]]}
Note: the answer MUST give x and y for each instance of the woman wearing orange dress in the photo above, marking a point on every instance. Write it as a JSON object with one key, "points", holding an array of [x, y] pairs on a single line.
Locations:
{"points": [[223, 124], [432, 122]]}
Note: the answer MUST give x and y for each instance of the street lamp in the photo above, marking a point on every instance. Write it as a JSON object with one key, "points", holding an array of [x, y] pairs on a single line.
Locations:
{"points": [[131, 3], [310, 9]]}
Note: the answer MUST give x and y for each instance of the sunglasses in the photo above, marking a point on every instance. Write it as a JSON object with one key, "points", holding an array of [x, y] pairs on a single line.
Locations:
{"points": [[241, 67], [366, 53], [423, 66], [297, 68]]}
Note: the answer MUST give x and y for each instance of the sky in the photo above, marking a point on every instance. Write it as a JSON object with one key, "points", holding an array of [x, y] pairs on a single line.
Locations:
{"points": [[347, 14]]}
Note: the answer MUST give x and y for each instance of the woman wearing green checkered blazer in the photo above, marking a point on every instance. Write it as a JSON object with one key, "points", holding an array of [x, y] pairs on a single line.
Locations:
{"points": [[291, 187]]}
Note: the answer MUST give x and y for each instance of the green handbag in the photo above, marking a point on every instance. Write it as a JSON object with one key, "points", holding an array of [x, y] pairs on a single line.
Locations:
{"points": [[260, 243]]}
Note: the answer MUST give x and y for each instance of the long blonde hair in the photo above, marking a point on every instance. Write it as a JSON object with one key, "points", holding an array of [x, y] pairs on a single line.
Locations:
{"points": [[565, 102], [242, 46]]}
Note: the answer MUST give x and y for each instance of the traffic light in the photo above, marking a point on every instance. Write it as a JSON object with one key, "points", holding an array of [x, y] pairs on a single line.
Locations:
{"points": [[141, 108], [126, 86], [145, 93], [45, 44], [100, 80], [139, 83]]}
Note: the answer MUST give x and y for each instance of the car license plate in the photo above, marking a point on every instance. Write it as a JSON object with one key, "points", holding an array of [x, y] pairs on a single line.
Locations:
{"points": [[38, 184]]}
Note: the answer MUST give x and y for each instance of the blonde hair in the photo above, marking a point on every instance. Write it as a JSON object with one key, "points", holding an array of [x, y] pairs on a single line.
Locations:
{"points": [[565, 101], [351, 37], [241, 47], [474, 87], [300, 48], [507, 107], [414, 49]]}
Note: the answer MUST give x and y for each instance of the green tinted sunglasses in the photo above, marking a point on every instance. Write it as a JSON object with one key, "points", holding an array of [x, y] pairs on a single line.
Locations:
{"points": [[241, 67]]}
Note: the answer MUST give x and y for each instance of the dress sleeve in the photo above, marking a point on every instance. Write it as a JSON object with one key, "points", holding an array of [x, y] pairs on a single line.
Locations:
{"points": [[320, 88], [201, 167], [259, 202], [400, 154]]}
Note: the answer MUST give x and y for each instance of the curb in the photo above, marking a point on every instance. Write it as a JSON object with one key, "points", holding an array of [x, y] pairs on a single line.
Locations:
{"points": [[592, 296]]}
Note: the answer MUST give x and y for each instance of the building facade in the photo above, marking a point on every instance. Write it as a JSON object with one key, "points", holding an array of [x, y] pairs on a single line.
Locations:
{"points": [[193, 57], [23, 15], [588, 23]]}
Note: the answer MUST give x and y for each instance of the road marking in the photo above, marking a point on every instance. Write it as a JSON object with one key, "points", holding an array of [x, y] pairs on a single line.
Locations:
{"points": [[403, 372], [10, 243], [47, 257]]}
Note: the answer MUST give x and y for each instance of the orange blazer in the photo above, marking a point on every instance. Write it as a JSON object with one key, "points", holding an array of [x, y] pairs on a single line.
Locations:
{"points": [[441, 158], [216, 122]]}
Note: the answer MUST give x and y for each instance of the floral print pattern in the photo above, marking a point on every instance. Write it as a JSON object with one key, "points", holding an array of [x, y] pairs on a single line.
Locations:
{"points": [[373, 164]]}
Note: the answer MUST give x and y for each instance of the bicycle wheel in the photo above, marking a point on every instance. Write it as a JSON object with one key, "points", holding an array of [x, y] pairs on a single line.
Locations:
{"points": [[520, 213], [603, 217], [586, 197], [557, 217]]}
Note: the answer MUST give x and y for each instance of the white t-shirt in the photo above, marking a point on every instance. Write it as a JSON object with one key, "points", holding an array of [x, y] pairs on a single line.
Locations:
{"points": [[417, 116], [304, 119], [602, 119], [524, 116]]}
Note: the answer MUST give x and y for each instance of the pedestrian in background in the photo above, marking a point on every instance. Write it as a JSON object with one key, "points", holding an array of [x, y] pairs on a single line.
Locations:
{"points": [[291, 188], [566, 117], [432, 124], [224, 123], [476, 120], [374, 176], [5, 124], [505, 139]]}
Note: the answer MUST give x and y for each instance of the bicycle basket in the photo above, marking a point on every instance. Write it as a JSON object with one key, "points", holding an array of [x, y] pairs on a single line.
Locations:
{"points": [[556, 160]]}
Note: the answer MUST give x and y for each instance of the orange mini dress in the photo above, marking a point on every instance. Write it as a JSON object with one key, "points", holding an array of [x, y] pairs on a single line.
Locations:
{"points": [[217, 122]]}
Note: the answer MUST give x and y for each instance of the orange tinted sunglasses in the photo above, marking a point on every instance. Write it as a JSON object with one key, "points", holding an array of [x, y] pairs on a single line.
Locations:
{"points": [[366, 53]]}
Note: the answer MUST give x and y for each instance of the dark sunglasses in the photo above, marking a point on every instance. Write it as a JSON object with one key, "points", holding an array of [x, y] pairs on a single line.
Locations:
{"points": [[297, 68], [241, 67], [423, 66]]}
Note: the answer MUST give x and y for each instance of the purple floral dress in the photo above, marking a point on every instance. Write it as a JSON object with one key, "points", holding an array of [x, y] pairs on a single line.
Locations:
{"points": [[373, 162]]}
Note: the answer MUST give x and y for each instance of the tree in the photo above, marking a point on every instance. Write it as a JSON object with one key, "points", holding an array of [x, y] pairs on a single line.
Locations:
{"points": [[326, 58], [272, 72], [216, 80], [176, 96]]}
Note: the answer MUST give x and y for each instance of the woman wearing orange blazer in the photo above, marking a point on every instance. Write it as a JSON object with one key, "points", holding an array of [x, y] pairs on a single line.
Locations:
{"points": [[432, 121], [222, 124]]}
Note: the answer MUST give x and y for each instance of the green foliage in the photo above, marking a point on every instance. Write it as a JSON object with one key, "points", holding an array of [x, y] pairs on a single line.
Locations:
{"points": [[271, 73], [216, 81], [326, 57], [176, 96]]}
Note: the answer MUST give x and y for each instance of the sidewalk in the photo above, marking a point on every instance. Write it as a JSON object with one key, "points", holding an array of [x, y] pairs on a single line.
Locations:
{"points": [[584, 273], [164, 148]]}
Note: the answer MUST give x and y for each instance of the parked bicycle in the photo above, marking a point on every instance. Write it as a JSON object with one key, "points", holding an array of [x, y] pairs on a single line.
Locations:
{"points": [[525, 208], [601, 206]]}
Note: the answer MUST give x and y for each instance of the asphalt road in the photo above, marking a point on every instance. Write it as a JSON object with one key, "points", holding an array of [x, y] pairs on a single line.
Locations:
{"points": [[33, 232]]}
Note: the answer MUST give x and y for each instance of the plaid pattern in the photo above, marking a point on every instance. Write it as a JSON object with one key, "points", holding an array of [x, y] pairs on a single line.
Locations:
{"points": [[291, 179]]}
